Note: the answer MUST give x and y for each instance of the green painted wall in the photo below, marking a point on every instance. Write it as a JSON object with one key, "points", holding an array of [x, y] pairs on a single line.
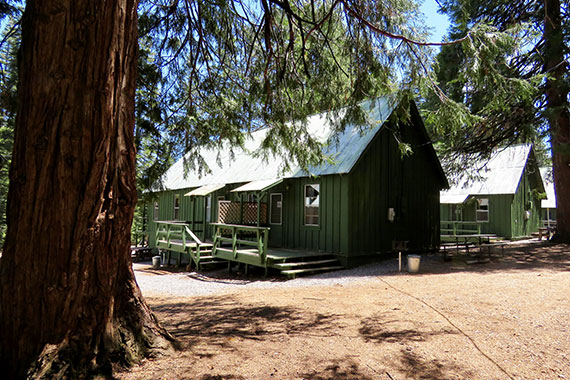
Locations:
{"points": [[331, 235], [410, 185], [524, 201]]}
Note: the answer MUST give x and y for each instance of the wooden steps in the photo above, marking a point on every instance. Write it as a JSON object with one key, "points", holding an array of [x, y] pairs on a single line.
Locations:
{"points": [[285, 266], [307, 265], [293, 273]]}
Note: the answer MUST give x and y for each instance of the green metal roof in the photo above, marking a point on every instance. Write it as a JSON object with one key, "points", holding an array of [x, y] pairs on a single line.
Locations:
{"points": [[243, 167], [500, 175]]}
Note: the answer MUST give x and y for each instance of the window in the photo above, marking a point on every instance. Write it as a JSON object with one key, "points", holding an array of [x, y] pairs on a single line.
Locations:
{"points": [[155, 213], [276, 208], [483, 210], [176, 206], [208, 208], [312, 194]]}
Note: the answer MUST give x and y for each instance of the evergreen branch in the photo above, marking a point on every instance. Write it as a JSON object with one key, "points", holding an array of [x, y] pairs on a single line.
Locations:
{"points": [[394, 36]]}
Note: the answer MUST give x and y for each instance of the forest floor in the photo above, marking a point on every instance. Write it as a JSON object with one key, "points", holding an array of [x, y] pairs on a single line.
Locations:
{"points": [[506, 319]]}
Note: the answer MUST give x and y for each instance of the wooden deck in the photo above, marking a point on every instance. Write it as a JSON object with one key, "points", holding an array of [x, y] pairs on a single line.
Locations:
{"points": [[243, 244]]}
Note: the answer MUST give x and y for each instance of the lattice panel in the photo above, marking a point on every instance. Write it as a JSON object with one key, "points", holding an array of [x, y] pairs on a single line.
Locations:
{"points": [[229, 212], [250, 213]]}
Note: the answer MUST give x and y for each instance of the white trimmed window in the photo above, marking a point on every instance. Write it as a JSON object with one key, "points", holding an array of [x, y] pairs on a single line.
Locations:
{"points": [[155, 211], [483, 210], [312, 200], [176, 206], [276, 208]]}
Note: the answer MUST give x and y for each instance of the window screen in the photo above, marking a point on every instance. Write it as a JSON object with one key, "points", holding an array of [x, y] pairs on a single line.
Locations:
{"points": [[483, 210]]}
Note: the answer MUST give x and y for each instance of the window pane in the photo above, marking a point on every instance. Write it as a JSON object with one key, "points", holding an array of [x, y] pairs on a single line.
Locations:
{"points": [[176, 207], [312, 200]]}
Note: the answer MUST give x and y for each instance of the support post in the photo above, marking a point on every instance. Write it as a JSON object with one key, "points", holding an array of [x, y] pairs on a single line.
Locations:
{"points": [[258, 196]]}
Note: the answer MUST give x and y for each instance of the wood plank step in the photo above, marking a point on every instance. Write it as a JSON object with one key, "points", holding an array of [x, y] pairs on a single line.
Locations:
{"points": [[294, 272], [303, 263], [249, 252], [209, 257]]}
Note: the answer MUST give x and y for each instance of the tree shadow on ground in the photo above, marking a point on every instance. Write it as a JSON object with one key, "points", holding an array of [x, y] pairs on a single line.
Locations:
{"points": [[339, 370], [416, 367], [378, 330], [219, 320]]}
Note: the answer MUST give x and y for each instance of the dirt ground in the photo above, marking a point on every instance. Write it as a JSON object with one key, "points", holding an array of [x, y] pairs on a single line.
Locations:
{"points": [[507, 319]]}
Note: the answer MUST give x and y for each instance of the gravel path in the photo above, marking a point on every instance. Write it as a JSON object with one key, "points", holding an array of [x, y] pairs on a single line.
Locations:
{"points": [[176, 283], [161, 283]]}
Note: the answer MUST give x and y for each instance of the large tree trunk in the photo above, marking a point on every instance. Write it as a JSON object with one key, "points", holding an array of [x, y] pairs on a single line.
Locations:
{"points": [[558, 113], [69, 303]]}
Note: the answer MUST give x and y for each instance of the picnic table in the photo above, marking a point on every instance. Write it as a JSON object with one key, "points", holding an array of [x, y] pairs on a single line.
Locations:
{"points": [[465, 241]]}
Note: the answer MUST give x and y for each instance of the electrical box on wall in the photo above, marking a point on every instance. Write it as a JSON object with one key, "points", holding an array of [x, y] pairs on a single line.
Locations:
{"points": [[391, 214]]}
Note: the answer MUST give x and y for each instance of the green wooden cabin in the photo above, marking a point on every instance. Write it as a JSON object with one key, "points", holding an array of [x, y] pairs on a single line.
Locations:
{"points": [[353, 207], [503, 196]]}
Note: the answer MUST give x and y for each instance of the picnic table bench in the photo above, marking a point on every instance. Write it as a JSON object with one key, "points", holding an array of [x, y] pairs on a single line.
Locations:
{"points": [[465, 242]]}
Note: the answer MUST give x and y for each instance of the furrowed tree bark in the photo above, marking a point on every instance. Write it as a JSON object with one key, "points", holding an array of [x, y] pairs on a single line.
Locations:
{"points": [[558, 113], [69, 303]]}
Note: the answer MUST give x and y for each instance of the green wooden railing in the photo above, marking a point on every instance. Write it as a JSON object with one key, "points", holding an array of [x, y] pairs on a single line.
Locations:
{"points": [[177, 236], [460, 227], [237, 240]]}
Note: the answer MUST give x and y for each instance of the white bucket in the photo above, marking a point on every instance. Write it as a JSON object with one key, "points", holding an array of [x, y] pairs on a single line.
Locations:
{"points": [[156, 262], [414, 263]]}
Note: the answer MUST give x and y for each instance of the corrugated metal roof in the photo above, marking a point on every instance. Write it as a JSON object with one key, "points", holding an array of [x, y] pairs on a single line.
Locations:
{"points": [[500, 175], [244, 167], [260, 185], [548, 180], [452, 199], [204, 190]]}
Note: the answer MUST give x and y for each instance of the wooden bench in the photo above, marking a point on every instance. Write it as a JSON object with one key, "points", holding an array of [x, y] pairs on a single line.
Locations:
{"points": [[491, 245], [448, 247]]}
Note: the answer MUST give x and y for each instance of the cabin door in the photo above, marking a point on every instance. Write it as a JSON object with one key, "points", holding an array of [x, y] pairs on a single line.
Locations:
{"points": [[276, 219]]}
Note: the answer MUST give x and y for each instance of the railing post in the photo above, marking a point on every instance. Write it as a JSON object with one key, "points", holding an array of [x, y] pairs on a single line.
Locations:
{"points": [[259, 237], [265, 239], [168, 230], [215, 245], [234, 241], [157, 233]]}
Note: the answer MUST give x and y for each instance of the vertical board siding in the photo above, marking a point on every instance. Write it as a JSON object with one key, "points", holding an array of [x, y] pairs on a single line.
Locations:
{"points": [[383, 179], [332, 231], [524, 201]]}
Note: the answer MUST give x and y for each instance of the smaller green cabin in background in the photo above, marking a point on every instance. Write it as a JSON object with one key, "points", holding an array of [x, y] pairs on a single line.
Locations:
{"points": [[352, 207], [503, 195]]}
